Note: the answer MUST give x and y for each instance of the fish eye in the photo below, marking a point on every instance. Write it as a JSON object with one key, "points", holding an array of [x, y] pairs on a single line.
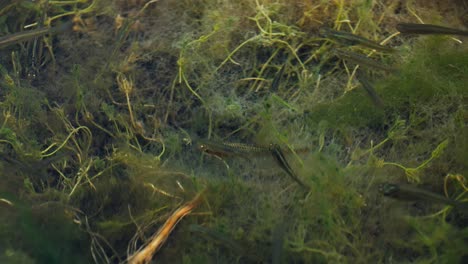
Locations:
{"points": [[202, 147]]}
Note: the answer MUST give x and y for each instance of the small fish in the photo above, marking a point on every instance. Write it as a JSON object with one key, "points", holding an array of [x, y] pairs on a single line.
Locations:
{"points": [[283, 163], [408, 192], [413, 28], [362, 60], [224, 149], [351, 39], [370, 90], [30, 34]]}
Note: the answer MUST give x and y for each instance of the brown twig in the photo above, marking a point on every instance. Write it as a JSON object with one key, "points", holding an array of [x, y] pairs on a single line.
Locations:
{"points": [[146, 254]]}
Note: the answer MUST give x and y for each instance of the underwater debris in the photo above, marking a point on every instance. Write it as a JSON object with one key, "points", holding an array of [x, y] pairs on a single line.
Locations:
{"points": [[146, 254], [426, 29], [350, 39], [3, 200]]}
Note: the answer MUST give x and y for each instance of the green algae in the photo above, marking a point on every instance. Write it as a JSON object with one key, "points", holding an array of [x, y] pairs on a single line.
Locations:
{"points": [[98, 145]]}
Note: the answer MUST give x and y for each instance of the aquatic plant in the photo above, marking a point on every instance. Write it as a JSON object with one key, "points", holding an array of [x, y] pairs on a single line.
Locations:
{"points": [[100, 126]]}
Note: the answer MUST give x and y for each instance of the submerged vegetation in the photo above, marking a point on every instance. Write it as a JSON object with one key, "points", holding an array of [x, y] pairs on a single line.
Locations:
{"points": [[119, 117]]}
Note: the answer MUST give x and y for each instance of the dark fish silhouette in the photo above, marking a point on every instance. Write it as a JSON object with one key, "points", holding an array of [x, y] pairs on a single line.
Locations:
{"points": [[426, 29]]}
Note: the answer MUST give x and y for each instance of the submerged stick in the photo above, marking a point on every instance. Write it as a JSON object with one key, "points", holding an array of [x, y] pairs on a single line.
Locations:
{"points": [[146, 254]]}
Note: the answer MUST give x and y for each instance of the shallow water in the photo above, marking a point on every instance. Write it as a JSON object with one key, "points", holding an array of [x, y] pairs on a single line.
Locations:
{"points": [[101, 125]]}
